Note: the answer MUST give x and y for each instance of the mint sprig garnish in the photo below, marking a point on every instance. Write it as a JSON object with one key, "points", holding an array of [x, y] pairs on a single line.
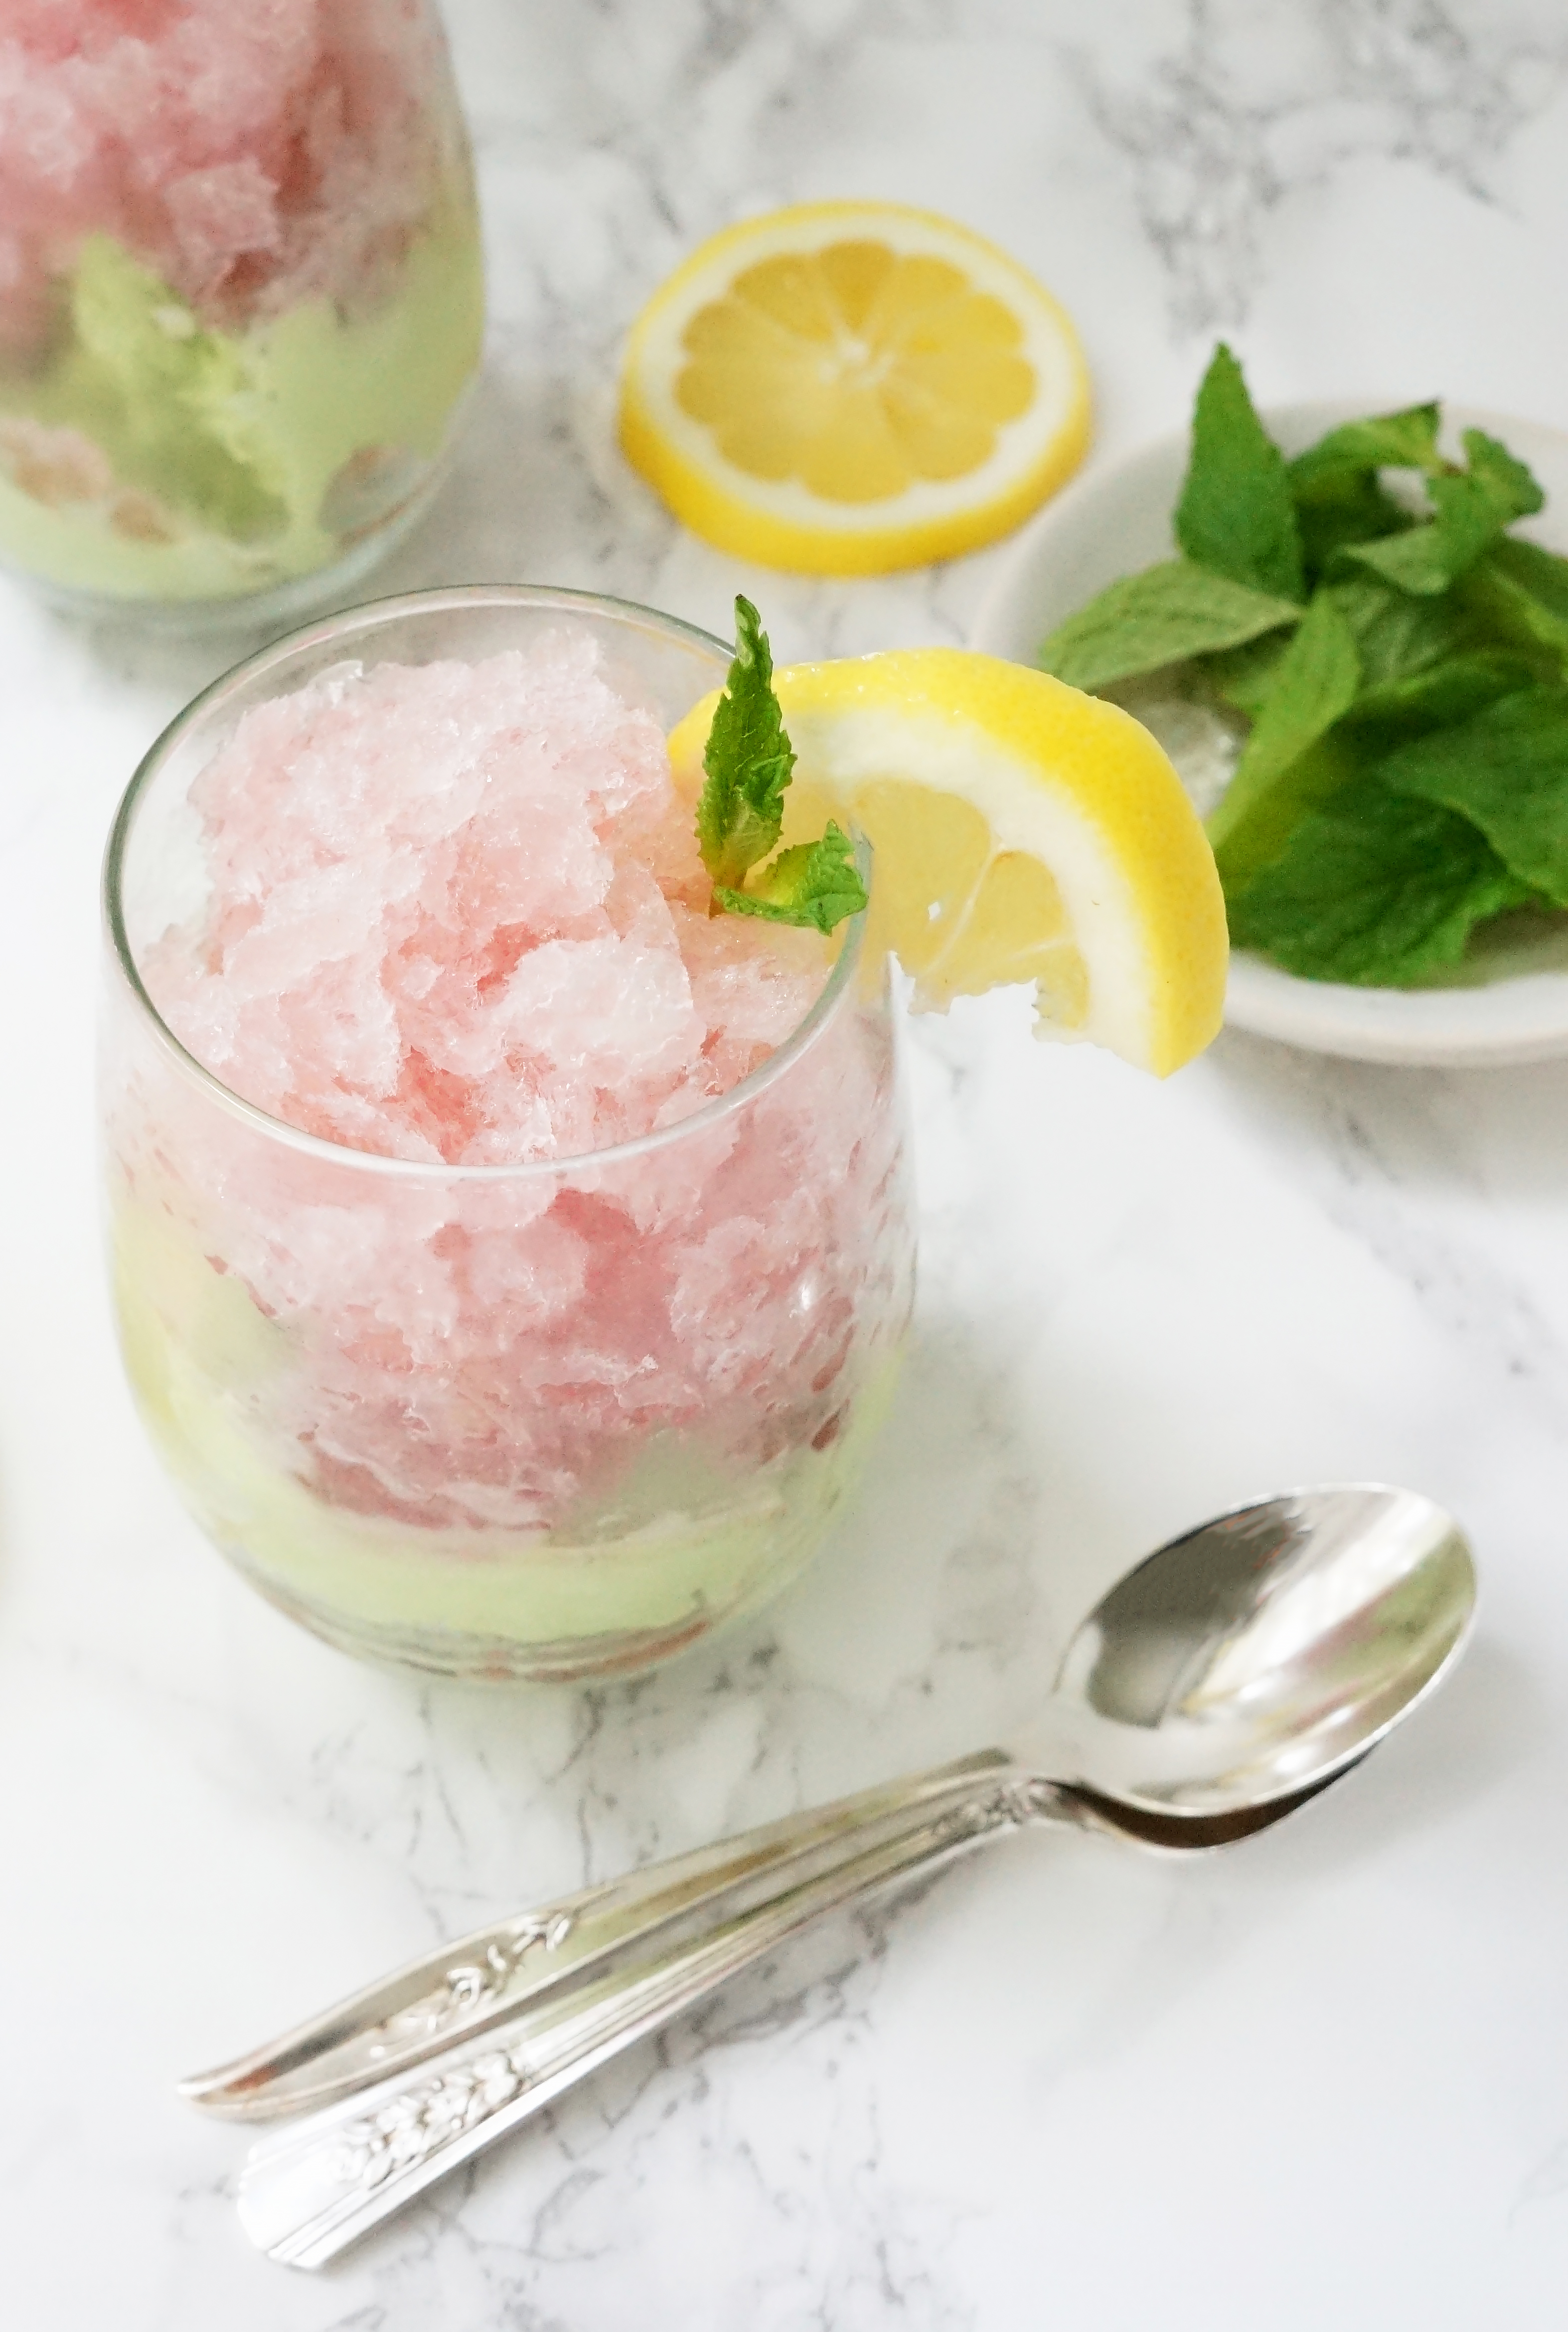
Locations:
{"points": [[1402, 661], [748, 760], [815, 882], [748, 763]]}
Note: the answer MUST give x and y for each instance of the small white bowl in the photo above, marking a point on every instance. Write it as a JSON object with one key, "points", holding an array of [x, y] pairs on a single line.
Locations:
{"points": [[1511, 1003]]}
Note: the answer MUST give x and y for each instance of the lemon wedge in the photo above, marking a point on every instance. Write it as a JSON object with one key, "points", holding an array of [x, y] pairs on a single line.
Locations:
{"points": [[847, 388], [1022, 832]]}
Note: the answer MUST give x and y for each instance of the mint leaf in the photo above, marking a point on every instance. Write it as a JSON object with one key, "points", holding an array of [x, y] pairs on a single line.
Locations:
{"points": [[1543, 573], [1519, 592], [1243, 676], [1339, 501], [1406, 440], [748, 760], [1396, 635], [1236, 515], [1374, 890], [816, 884], [1316, 777], [1164, 615], [1505, 771], [1316, 682], [1470, 508], [1444, 694], [1348, 509], [1510, 485]]}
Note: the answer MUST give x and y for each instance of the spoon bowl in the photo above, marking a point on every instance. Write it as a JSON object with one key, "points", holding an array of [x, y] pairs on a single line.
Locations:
{"points": [[1258, 1655]]}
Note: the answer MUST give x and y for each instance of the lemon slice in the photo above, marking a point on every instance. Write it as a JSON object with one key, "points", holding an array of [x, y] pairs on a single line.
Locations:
{"points": [[1023, 832], [847, 387]]}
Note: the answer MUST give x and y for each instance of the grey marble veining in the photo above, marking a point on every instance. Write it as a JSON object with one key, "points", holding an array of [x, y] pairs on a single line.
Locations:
{"points": [[1253, 103], [1015, 2099]]}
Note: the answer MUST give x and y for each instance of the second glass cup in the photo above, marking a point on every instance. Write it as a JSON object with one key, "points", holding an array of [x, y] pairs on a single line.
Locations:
{"points": [[241, 297], [518, 1420]]}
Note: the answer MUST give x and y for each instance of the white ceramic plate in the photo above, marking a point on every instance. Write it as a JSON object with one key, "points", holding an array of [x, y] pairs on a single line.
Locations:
{"points": [[1511, 1003]]}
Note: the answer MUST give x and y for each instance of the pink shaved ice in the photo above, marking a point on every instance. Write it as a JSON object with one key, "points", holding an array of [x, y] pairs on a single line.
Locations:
{"points": [[252, 152], [457, 915]]}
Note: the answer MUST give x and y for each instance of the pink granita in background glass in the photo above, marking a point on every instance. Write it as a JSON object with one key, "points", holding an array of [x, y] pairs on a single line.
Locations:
{"points": [[219, 223], [551, 1334], [252, 155]]}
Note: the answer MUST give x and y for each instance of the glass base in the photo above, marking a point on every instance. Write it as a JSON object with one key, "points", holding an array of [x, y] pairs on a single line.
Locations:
{"points": [[492, 1659], [279, 606]]}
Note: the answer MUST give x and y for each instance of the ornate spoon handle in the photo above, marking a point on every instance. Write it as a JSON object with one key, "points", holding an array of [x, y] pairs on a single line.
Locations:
{"points": [[309, 2191], [468, 1988]]}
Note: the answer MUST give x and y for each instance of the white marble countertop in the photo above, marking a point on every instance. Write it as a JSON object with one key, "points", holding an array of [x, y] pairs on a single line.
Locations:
{"points": [[1321, 2080]]}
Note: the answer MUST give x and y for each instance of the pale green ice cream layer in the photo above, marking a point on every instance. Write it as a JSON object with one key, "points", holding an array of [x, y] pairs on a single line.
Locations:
{"points": [[700, 1544], [152, 458]]}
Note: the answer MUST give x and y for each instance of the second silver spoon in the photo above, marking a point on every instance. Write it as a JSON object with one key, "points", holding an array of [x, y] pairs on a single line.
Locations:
{"points": [[1228, 1677]]}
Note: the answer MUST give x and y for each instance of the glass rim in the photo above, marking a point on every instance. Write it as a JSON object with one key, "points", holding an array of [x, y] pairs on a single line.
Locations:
{"points": [[365, 618]]}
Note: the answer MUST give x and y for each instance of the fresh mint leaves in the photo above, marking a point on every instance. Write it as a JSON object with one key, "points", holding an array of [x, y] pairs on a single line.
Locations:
{"points": [[1161, 616], [1384, 441], [1402, 660], [1506, 771], [1379, 892], [1470, 508], [748, 761], [1461, 685], [1316, 682], [1236, 515], [1337, 485], [1517, 592], [1396, 637]]}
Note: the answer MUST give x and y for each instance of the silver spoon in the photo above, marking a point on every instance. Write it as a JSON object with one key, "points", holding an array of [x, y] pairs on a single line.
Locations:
{"points": [[1228, 1677]]}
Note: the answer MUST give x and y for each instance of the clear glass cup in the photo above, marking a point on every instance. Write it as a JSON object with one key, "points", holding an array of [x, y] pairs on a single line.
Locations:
{"points": [[545, 1420], [241, 297]]}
